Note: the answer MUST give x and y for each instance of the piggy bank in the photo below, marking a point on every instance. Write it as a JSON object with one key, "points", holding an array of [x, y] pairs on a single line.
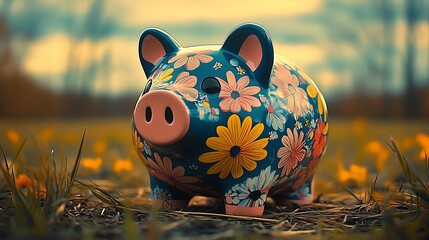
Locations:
{"points": [[234, 122]]}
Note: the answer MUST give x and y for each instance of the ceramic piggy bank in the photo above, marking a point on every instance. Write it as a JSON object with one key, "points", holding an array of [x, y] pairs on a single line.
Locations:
{"points": [[234, 122]]}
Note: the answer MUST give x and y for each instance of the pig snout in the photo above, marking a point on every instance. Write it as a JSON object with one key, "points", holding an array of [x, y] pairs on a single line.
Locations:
{"points": [[161, 117]]}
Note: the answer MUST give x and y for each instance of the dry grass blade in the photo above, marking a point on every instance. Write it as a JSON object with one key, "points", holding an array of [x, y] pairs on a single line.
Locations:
{"points": [[410, 173], [19, 151], [100, 193], [76, 165], [354, 195], [17, 196], [422, 193], [417, 185], [21, 146]]}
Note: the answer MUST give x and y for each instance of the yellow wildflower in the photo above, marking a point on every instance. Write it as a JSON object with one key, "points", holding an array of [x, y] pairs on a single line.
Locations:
{"points": [[13, 136], [23, 181], [357, 174], [91, 163], [122, 165], [379, 151], [423, 140]]}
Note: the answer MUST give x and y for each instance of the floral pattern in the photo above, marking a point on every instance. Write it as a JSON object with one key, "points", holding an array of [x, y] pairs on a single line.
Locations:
{"points": [[163, 170], [236, 147], [191, 60], [275, 117], [147, 148], [313, 93], [214, 114], [161, 76], [292, 152], [273, 135], [237, 95], [139, 147], [288, 88], [240, 70], [184, 85], [320, 138], [205, 111], [252, 192], [161, 194], [217, 66], [305, 174], [303, 193]]}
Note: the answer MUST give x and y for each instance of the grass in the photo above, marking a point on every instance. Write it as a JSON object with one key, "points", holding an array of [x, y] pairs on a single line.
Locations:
{"points": [[42, 199], [94, 200]]}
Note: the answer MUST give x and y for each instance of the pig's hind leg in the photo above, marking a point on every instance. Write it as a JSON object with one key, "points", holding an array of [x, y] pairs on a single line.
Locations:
{"points": [[301, 196]]}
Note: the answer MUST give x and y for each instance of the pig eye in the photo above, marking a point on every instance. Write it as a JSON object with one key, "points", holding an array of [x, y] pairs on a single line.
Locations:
{"points": [[147, 87], [210, 85]]}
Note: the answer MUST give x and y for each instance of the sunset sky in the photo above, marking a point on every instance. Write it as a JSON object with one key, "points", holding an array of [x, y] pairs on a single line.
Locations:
{"points": [[69, 38]]}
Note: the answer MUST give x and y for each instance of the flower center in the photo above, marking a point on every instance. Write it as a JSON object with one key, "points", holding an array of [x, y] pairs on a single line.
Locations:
{"points": [[255, 195], [270, 109], [291, 88], [235, 94], [234, 151]]}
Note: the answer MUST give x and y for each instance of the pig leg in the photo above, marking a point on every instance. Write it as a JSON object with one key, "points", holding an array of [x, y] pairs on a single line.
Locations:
{"points": [[244, 201], [300, 196], [164, 195]]}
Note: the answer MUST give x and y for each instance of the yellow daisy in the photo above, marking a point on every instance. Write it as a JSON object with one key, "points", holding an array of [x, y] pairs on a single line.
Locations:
{"points": [[236, 146]]}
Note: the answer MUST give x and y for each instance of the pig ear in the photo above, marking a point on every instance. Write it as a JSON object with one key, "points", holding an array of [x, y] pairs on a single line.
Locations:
{"points": [[253, 44], [155, 44]]}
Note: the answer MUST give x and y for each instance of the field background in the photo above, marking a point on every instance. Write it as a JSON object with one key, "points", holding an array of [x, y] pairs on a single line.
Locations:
{"points": [[108, 153]]}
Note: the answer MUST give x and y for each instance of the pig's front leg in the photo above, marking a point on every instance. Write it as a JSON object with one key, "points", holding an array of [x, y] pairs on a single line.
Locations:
{"points": [[164, 195], [248, 196]]}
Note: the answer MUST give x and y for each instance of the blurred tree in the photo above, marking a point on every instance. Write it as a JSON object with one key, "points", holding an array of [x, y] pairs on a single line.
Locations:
{"points": [[370, 33], [414, 12], [85, 65]]}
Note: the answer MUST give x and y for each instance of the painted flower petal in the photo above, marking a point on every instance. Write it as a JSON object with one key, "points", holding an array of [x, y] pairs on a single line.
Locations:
{"points": [[211, 157], [235, 106], [242, 83], [237, 169], [258, 144], [234, 127], [231, 80], [178, 171], [225, 135], [254, 133], [255, 155], [192, 63], [248, 164], [252, 90], [217, 143], [204, 58], [180, 62]]}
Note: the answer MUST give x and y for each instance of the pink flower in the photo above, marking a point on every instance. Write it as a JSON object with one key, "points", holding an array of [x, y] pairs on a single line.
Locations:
{"points": [[292, 152], [287, 83], [236, 95], [164, 171], [184, 85], [191, 60]]}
